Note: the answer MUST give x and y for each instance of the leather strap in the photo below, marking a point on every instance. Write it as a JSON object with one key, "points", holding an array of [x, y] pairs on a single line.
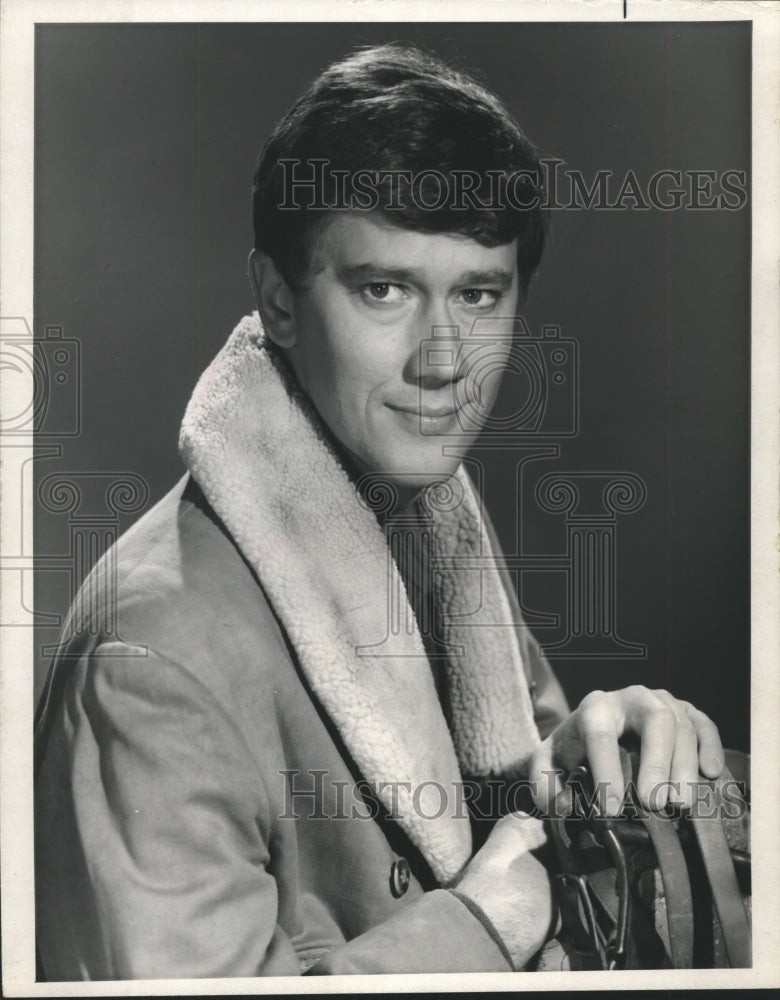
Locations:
{"points": [[677, 888], [716, 857]]}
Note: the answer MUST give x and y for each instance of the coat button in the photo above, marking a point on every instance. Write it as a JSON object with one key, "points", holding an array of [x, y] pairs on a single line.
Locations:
{"points": [[399, 877]]}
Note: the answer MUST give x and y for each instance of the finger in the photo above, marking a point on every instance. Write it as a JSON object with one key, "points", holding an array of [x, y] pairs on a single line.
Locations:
{"points": [[712, 760], [685, 758], [599, 724], [657, 728], [546, 779]]}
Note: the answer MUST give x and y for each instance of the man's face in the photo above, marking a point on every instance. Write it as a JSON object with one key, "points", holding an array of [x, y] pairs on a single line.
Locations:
{"points": [[374, 294]]}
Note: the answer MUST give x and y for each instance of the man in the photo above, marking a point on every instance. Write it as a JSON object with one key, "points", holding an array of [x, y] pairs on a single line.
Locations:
{"points": [[275, 760]]}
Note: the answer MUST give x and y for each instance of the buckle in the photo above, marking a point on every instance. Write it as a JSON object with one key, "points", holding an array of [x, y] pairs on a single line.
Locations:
{"points": [[611, 953], [580, 883], [617, 946]]}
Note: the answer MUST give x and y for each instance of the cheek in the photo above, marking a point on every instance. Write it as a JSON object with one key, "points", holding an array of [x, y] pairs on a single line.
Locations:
{"points": [[362, 357], [345, 368]]}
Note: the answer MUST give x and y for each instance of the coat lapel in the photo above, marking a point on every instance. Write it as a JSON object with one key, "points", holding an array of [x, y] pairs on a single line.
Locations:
{"points": [[260, 454]]}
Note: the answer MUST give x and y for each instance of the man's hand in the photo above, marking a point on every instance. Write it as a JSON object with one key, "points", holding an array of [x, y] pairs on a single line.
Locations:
{"points": [[678, 743], [512, 886]]}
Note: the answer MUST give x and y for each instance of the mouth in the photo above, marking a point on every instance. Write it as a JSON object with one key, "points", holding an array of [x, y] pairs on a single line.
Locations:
{"points": [[427, 419], [426, 411]]}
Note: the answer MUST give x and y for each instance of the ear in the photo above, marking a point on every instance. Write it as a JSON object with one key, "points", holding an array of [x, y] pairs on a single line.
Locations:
{"points": [[274, 299]]}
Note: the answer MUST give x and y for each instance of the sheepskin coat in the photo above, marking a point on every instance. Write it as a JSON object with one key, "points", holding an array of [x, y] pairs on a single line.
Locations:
{"points": [[241, 737]]}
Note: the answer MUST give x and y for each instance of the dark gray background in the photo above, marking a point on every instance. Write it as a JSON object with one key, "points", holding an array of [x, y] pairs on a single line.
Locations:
{"points": [[146, 139]]}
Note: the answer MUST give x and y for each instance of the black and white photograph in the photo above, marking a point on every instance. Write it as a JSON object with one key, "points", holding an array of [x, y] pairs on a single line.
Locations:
{"points": [[389, 450]]}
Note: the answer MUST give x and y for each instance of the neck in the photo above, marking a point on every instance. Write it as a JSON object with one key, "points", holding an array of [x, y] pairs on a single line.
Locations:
{"points": [[381, 493]]}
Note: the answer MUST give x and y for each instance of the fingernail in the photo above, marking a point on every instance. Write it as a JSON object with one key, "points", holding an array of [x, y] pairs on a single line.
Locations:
{"points": [[714, 766]]}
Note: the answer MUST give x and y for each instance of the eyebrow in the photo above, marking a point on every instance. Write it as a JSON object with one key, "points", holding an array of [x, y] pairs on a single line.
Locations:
{"points": [[497, 276]]}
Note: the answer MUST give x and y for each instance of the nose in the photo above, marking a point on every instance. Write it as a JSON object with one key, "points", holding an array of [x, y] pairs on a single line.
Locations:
{"points": [[434, 350]]}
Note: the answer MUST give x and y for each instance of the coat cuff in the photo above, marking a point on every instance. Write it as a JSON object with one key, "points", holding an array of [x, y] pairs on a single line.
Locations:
{"points": [[436, 933], [486, 922]]}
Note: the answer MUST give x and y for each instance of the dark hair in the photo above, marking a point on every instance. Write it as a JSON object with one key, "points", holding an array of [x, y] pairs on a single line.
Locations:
{"points": [[395, 108]]}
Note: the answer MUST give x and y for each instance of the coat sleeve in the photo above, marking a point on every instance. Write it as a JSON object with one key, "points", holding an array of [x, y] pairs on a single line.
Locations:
{"points": [[549, 701], [152, 845]]}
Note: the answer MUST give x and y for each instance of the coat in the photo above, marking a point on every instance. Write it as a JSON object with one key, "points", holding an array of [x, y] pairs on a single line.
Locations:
{"points": [[243, 767]]}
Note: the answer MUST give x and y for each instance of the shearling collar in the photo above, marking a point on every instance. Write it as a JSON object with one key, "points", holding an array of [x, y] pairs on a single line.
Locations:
{"points": [[260, 453]]}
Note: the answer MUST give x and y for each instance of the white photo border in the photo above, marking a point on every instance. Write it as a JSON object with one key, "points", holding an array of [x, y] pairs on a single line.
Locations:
{"points": [[18, 20]]}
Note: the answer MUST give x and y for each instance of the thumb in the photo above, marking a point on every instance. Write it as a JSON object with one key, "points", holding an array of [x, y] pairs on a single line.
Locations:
{"points": [[514, 836], [517, 833]]}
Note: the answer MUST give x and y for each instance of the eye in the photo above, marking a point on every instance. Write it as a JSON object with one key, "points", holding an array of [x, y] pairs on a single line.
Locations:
{"points": [[480, 298], [384, 292]]}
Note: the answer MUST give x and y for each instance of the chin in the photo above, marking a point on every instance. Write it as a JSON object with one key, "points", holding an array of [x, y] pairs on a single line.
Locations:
{"points": [[420, 466]]}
